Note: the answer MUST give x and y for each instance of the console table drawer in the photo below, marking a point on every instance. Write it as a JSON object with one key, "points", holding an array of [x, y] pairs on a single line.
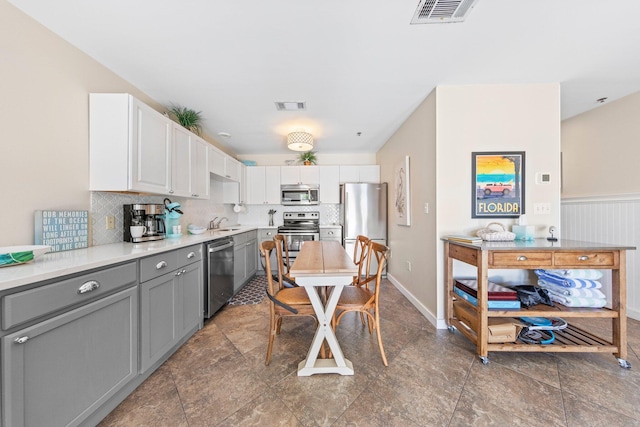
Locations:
{"points": [[586, 259], [521, 259]]}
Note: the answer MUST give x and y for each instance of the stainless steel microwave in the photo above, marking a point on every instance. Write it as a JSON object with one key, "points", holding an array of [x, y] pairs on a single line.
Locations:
{"points": [[299, 195]]}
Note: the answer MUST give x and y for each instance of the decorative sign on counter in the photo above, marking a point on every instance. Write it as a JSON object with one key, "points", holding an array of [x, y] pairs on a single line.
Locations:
{"points": [[62, 230]]}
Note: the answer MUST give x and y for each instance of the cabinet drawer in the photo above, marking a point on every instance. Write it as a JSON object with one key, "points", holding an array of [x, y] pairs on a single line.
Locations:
{"points": [[189, 254], [521, 259], [590, 259], [157, 265], [23, 306], [330, 234], [267, 233]]}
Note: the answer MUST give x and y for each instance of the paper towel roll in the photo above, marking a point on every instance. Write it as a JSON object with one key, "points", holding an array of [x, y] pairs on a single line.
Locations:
{"points": [[239, 208]]}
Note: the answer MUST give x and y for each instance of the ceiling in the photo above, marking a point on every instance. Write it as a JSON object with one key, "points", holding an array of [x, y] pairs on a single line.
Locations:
{"points": [[360, 66]]}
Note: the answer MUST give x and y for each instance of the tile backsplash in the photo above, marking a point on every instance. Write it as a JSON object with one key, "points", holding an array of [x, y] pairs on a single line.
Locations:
{"points": [[196, 211]]}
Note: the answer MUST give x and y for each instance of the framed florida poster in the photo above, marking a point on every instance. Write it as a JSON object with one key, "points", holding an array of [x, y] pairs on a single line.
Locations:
{"points": [[498, 184]]}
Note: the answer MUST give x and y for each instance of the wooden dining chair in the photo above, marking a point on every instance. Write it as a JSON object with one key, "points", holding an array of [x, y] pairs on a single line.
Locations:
{"points": [[362, 298], [282, 301], [360, 252], [285, 262]]}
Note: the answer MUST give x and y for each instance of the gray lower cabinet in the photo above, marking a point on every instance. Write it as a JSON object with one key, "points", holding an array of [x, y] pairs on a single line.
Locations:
{"points": [[245, 258], [59, 371], [170, 304], [266, 234]]}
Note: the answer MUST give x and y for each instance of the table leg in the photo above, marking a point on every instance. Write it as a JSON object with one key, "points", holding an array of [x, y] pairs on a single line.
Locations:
{"points": [[338, 364]]}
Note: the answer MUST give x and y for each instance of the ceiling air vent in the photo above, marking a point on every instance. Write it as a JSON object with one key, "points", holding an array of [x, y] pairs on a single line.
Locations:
{"points": [[291, 106], [442, 11]]}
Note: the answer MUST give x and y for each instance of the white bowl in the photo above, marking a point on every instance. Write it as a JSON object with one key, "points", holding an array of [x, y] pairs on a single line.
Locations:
{"points": [[196, 229], [15, 255]]}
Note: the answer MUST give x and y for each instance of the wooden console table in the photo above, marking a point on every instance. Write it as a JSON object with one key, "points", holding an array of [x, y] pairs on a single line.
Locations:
{"points": [[540, 253]]}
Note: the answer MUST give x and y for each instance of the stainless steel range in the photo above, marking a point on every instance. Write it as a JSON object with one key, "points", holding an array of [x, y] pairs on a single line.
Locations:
{"points": [[300, 227]]}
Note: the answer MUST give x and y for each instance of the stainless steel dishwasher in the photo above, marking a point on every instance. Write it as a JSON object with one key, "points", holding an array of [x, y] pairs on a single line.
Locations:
{"points": [[218, 275]]}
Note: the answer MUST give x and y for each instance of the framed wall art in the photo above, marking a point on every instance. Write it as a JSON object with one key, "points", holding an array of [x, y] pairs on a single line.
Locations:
{"points": [[402, 193], [497, 188]]}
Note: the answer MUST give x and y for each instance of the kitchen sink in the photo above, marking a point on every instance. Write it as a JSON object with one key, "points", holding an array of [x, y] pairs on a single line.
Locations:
{"points": [[230, 229]]}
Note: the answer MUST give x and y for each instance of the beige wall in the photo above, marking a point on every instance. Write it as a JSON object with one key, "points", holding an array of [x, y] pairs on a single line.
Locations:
{"points": [[44, 122], [440, 136], [418, 243], [610, 164]]}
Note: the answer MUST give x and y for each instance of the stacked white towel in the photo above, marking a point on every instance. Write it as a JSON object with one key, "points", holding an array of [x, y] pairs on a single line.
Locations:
{"points": [[572, 288]]}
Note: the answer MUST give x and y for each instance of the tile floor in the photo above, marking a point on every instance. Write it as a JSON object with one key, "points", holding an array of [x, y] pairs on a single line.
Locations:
{"points": [[218, 378]]}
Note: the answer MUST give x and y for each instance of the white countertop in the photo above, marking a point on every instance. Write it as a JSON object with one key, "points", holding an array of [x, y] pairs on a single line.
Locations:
{"points": [[57, 264]]}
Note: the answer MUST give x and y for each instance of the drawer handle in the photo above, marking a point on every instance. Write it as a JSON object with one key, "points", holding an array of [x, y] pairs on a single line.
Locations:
{"points": [[161, 265], [178, 273], [522, 258], [191, 255], [89, 286], [583, 258], [21, 340]]}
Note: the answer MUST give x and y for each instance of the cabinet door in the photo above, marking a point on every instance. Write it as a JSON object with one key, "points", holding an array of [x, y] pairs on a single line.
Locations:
{"points": [[252, 257], [256, 193], [239, 266], [66, 367], [310, 175], [190, 297], [216, 161], [181, 178], [369, 173], [349, 174], [150, 150], [290, 175], [199, 169], [272, 183], [232, 169], [158, 328], [330, 184]]}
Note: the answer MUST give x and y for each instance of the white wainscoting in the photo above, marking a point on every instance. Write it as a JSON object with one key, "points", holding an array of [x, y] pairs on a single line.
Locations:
{"points": [[611, 219]]}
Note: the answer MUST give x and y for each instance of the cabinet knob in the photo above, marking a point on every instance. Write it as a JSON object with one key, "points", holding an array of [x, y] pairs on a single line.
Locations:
{"points": [[179, 272], [583, 258], [161, 265], [522, 258], [170, 191], [21, 340], [191, 255], [89, 286], [331, 232]]}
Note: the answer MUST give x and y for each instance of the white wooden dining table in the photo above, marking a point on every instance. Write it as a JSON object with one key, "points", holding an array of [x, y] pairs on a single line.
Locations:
{"points": [[324, 264]]}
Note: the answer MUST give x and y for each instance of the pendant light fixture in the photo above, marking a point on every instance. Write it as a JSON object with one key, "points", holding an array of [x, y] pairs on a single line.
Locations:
{"points": [[300, 141]]}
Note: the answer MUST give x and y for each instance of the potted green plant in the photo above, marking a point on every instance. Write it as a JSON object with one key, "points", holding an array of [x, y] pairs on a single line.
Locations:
{"points": [[308, 158], [188, 118]]}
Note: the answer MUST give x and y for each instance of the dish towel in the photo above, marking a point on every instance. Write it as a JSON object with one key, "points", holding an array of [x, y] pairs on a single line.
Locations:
{"points": [[567, 282], [574, 292]]}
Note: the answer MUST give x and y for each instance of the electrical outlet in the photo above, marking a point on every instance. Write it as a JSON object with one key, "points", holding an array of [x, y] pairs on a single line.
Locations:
{"points": [[426, 208], [110, 222], [408, 263]]}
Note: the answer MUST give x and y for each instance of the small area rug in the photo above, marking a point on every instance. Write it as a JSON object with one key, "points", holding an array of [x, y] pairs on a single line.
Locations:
{"points": [[252, 293]]}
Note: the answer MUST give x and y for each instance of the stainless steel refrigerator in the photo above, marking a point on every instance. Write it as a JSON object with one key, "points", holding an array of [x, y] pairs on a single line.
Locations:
{"points": [[363, 210]]}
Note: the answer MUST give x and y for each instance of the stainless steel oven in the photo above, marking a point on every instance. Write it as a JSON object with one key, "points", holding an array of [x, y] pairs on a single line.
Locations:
{"points": [[300, 227]]}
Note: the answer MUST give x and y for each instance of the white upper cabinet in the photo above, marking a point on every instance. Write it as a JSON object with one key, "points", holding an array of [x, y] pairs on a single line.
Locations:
{"points": [[300, 175], [199, 168], [235, 192], [329, 184], [360, 173], [223, 165], [135, 148], [181, 162], [130, 145], [263, 185]]}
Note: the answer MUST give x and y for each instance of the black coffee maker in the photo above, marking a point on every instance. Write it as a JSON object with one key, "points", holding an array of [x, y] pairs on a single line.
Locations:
{"points": [[149, 216]]}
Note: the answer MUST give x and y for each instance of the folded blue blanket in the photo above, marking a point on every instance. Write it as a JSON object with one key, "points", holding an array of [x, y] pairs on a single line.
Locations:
{"points": [[570, 301], [574, 292], [590, 274], [567, 282]]}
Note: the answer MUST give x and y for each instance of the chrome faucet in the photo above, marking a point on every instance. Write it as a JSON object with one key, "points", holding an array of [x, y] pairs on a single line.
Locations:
{"points": [[213, 224]]}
